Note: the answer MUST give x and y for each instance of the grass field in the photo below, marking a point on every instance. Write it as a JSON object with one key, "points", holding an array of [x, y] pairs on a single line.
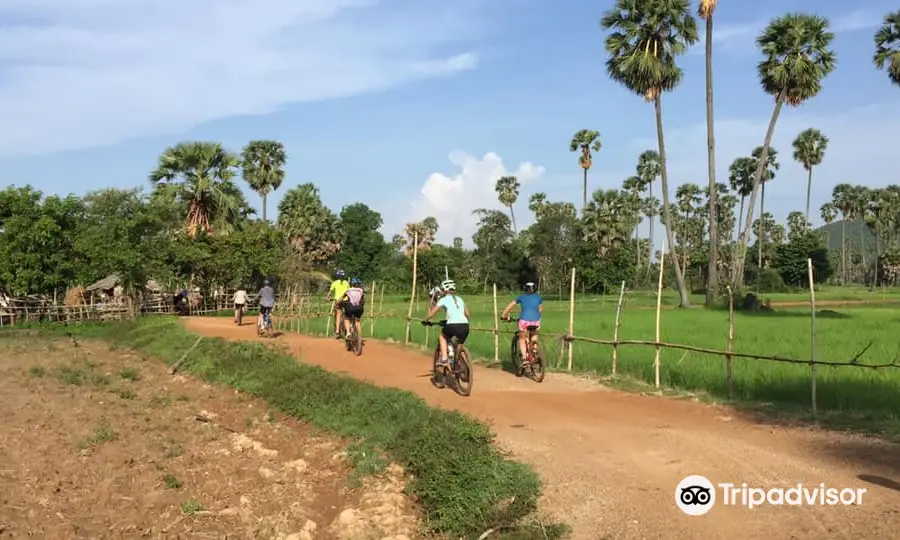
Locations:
{"points": [[861, 395]]}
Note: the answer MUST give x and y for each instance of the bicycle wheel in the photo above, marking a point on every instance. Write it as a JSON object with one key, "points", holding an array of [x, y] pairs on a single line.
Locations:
{"points": [[537, 364], [260, 326], [437, 374], [462, 372], [515, 356]]}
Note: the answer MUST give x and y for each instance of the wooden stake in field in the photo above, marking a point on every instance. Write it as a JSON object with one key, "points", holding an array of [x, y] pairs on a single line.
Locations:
{"points": [[412, 299], [374, 289], [812, 338], [729, 368], [615, 360], [496, 328], [659, 287], [571, 318]]}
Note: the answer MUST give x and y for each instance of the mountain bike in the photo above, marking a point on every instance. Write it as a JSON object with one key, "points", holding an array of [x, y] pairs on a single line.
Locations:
{"points": [[353, 340], [460, 367], [532, 363], [264, 324]]}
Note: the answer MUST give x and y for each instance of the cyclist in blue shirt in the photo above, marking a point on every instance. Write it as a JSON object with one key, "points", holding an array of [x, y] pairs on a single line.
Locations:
{"points": [[457, 318], [532, 307]]}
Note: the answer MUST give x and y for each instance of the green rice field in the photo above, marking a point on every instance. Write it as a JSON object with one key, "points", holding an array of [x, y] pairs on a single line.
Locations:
{"points": [[842, 331]]}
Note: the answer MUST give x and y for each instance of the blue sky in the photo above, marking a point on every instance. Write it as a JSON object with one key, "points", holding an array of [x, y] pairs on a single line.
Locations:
{"points": [[411, 107]]}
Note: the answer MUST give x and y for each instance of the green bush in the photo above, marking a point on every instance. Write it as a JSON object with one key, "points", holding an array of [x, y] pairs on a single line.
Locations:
{"points": [[462, 482]]}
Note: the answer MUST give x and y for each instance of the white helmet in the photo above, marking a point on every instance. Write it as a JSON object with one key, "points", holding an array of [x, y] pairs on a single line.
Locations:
{"points": [[448, 285]]}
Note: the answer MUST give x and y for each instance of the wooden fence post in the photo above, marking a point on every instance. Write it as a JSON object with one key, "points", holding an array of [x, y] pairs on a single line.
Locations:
{"points": [[615, 358], [571, 318], [412, 299], [729, 367], [812, 339], [659, 287], [496, 328]]}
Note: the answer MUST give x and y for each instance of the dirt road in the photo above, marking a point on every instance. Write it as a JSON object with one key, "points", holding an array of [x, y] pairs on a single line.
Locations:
{"points": [[611, 461]]}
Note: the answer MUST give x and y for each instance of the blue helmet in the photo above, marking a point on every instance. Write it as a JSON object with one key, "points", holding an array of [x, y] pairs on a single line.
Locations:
{"points": [[339, 274], [356, 282]]}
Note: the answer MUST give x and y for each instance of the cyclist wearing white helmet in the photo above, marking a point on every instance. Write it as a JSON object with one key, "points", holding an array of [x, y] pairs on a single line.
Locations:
{"points": [[532, 306], [457, 318]]}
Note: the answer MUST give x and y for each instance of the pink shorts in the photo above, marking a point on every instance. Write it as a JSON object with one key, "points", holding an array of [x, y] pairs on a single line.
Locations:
{"points": [[523, 325]]}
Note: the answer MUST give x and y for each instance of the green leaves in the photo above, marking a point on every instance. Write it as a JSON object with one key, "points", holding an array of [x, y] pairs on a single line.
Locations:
{"points": [[887, 46], [796, 57]]}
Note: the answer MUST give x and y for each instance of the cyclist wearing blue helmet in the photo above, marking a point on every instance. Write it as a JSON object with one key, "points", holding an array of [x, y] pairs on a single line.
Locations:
{"points": [[354, 302], [335, 294]]}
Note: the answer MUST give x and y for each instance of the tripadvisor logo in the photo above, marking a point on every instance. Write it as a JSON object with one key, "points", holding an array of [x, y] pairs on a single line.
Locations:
{"points": [[695, 495]]}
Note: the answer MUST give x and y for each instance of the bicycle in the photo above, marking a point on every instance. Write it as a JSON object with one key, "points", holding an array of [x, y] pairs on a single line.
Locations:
{"points": [[264, 324], [352, 339], [460, 367], [532, 364]]}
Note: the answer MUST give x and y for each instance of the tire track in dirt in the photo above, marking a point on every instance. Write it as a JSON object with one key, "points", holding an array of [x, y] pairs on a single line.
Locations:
{"points": [[610, 460]]}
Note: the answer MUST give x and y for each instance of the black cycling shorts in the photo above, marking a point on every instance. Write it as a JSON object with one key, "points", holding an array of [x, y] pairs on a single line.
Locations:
{"points": [[460, 331], [265, 309], [353, 311]]}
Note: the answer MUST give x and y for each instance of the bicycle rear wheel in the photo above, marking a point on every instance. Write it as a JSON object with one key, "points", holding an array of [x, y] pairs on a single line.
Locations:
{"points": [[516, 356], [462, 372], [357, 339], [537, 364]]}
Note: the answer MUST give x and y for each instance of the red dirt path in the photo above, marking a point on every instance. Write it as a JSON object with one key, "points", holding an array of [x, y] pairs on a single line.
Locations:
{"points": [[610, 461]]}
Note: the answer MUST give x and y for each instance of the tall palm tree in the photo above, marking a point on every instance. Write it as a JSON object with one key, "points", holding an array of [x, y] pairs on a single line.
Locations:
{"points": [[809, 151], [587, 141], [648, 169], [842, 196], [645, 38], [537, 203], [740, 176], [706, 9], [507, 189], [634, 185], [199, 175], [770, 166], [796, 59], [263, 162], [887, 46]]}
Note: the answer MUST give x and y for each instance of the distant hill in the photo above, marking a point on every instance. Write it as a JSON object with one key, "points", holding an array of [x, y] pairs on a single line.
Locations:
{"points": [[854, 230]]}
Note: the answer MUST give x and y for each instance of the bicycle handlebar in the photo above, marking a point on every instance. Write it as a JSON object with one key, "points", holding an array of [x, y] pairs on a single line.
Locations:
{"points": [[433, 323]]}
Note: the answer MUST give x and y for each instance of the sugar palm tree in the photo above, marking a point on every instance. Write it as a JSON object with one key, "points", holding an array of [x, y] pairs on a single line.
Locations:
{"points": [[843, 198], [809, 151], [796, 59], [706, 9], [507, 188], [607, 220], [740, 176], [887, 46], [770, 167], [199, 175], [829, 212], [648, 169], [645, 38], [588, 141], [537, 203], [263, 162]]}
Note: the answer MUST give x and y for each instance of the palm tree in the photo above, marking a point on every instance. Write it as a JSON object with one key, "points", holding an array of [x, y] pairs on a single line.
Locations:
{"points": [[842, 196], [634, 185], [648, 169], [537, 203], [740, 176], [796, 59], [769, 169], [587, 141], [507, 189], [199, 175], [263, 168], [887, 46], [829, 213], [646, 36], [809, 151], [706, 9], [607, 220]]}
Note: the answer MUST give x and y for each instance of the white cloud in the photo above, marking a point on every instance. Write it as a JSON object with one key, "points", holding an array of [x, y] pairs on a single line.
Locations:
{"points": [[82, 73], [451, 200], [860, 151]]}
